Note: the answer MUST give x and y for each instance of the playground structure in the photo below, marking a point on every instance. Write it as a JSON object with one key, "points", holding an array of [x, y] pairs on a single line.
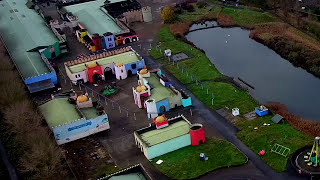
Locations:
{"points": [[99, 27], [306, 160], [313, 158], [156, 93], [167, 135], [120, 63]]}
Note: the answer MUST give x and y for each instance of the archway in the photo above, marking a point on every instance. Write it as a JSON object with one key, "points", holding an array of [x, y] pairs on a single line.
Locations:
{"points": [[108, 73], [162, 109], [96, 78], [134, 39], [127, 40], [53, 55], [129, 73], [200, 142]]}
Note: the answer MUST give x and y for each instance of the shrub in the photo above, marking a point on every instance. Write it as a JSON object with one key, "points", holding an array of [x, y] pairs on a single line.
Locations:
{"points": [[309, 127], [179, 29], [167, 14], [201, 4], [225, 20]]}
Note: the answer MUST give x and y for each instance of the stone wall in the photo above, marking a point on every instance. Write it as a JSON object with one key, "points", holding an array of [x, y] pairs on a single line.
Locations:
{"points": [[133, 16]]}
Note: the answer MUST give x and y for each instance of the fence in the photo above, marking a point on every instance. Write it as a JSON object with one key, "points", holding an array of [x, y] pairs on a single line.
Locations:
{"points": [[194, 79]]}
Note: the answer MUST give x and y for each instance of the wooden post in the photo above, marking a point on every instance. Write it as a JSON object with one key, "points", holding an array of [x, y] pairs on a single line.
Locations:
{"points": [[119, 109], [207, 91], [134, 116], [105, 100], [190, 111]]}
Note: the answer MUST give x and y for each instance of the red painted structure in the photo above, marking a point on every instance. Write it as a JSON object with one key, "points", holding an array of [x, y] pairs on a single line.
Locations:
{"points": [[92, 71], [197, 134], [97, 42], [160, 124]]}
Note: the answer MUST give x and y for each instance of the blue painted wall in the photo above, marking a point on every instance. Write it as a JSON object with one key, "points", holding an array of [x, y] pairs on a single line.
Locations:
{"points": [[109, 42], [164, 102], [42, 77], [139, 65], [186, 102], [65, 132], [168, 146]]}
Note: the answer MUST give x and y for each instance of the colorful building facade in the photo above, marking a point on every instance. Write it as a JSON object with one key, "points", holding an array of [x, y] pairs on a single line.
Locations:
{"points": [[179, 133], [119, 63], [156, 93], [71, 121]]}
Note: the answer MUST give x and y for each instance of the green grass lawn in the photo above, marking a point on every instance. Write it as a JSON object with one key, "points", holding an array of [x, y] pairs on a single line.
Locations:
{"points": [[198, 64], [249, 17], [185, 163], [224, 95], [198, 13], [266, 136]]}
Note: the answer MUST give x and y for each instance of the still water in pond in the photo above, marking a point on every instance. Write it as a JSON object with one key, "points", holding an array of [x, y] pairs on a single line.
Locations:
{"points": [[274, 78]]}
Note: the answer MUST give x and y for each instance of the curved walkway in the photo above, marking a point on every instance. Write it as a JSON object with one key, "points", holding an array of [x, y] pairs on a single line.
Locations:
{"points": [[10, 168]]}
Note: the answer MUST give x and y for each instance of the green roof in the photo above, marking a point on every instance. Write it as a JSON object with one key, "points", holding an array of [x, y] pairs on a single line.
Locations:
{"points": [[159, 92], [22, 29], [131, 176], [89, 113], [157, 136], [59, 111], [125, 58], [93, 18]]}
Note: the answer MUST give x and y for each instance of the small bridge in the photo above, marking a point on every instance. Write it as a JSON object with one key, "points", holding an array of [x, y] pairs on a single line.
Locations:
{"points": [[208, 27]]}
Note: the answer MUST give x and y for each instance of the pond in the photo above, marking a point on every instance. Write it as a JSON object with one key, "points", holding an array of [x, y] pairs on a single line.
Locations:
{"points": [[273, 78]]}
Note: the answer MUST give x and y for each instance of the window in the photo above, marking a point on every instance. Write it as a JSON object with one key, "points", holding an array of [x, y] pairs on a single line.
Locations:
{"points": [[121, 70], [109, 39], [77, 75], [110, 45], [133, 66]]}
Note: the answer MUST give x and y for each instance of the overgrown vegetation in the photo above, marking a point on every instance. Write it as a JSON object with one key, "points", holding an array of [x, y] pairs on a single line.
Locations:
{"points": [[180, 164], [28, 143], [309, 127]]}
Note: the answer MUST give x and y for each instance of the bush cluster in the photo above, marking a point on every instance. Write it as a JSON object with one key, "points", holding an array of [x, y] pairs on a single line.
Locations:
{"points": [[29, 144], [309, 127]]}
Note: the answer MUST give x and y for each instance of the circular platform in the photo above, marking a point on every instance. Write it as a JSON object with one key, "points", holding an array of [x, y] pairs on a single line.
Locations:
{"points": [[298, 162]]}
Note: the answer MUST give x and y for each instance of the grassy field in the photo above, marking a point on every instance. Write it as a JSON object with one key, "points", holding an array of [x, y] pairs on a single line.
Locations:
{"points": [[266, 136], [224, 95], [186, 161], [248, 17], [198, 64]]}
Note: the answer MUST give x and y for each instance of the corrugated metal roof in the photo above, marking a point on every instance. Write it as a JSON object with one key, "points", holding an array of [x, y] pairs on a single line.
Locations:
{"points": [[157, 136], [93, 18], [59, 111], [22, 29]]}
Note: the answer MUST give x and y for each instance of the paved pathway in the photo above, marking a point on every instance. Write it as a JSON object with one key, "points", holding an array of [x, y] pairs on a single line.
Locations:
{"points": [[10, 168]]}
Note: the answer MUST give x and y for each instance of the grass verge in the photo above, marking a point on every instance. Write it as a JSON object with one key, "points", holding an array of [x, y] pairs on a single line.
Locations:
{"points": [[183, 161], [266, 136], [224, 95]]}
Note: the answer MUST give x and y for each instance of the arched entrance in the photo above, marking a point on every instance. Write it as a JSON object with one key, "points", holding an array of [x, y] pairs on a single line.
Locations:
{"points": [[53, 55], [96, 78], [129, 73], [108, 73], [127, 40], [162, 110]]}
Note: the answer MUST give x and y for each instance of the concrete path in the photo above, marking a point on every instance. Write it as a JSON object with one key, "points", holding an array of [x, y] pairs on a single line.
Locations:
{"points": [[11, 170]]}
